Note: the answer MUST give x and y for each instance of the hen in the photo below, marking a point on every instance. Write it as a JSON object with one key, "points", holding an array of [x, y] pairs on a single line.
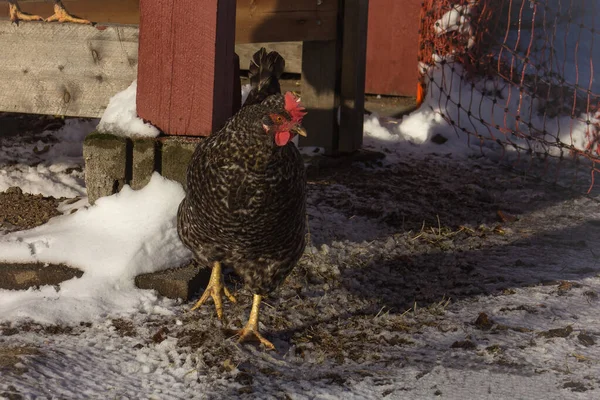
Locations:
{"points": [[245, 198]]}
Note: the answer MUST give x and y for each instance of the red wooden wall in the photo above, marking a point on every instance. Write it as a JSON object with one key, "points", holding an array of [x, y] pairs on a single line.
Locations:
{"points": [[392, 45]]}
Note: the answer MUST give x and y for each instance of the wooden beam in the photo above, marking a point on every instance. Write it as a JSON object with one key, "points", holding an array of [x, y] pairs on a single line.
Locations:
{"points": [[186, 68], [101, 11], [68, 69], [333, 89], [320, 94], [95, 78], [257, 21], [286, 21], [352, 89]]}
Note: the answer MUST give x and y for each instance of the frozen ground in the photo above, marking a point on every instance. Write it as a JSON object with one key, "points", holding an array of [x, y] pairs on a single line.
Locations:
{"points": [[406, 255]]}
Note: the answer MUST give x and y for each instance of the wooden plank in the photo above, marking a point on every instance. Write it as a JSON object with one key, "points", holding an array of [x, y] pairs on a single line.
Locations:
{"points": [[256, 7], [286, 21], [257, 21], [320, 94], [393, 43], [73, 74], [185, 74], [104, 11], [286, 27], [352, 90], [290, 51]]}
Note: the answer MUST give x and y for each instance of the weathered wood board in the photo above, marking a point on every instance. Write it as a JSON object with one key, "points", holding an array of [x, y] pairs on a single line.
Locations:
{"points": [[257, 21], [73, 70], [64, 69]]}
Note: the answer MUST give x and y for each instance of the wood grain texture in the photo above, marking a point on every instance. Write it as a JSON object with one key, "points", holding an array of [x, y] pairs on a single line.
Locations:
{"points": [[257, 20], [392, 48], [68, 70], [184, 84], [286, 20]]}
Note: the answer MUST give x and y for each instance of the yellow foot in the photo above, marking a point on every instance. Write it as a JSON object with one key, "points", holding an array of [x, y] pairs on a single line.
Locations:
{"points": [[252, 335], [61, 15], [250, 331], [215, 289], [16, 15]]}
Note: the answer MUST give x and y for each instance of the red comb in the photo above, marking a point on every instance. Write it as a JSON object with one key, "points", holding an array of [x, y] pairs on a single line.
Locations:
{"points": [[294, 107]]}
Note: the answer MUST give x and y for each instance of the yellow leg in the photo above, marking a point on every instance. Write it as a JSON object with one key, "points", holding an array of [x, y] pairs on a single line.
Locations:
{"points": [[250, 331], [16, 15], [215, 289], [61, 15]]}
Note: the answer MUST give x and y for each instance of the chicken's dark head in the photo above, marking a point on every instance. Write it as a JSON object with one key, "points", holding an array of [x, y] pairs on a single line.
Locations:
{"points": [[286, 122]]}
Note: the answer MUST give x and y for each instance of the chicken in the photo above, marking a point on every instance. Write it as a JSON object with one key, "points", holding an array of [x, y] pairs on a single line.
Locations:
{"points": [[60, 14], [245, 198]]}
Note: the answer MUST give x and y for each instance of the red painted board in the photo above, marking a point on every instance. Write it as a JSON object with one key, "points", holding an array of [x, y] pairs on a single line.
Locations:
{"points": [[186, 64], [392, 46]]}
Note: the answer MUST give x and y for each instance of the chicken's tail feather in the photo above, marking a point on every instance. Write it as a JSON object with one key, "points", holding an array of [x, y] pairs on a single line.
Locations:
{"points": [[264, 73]]}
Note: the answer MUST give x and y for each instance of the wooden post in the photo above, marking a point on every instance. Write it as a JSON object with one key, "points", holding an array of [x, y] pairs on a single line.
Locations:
{"points": [[354, 58], [334, 86], [320, 94], [186, 65]]}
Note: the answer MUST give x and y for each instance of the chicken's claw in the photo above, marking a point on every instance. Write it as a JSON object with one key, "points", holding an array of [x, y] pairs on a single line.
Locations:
{"points": [[17, 15], [215, 289], [251, 335], [250, 331], [61, 15]]}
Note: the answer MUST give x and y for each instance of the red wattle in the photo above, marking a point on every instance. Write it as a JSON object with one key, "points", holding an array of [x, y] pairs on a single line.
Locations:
{"points": [[282, 138]]}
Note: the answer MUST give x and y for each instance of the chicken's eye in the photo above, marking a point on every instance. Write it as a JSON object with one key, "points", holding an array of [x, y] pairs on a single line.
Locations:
{"points": [[278, 119]]}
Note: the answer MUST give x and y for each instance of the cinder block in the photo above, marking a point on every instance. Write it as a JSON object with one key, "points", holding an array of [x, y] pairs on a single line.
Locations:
{"points": [[105, 158], [177, 283], [23, 276], [176, 154], [143, 161]]}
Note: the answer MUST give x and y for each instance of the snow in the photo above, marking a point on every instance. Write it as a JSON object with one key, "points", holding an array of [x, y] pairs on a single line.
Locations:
{"points": [[457, 19], [339, 295], [45, 167], [565, 49], [120, 116], [120, 237]]}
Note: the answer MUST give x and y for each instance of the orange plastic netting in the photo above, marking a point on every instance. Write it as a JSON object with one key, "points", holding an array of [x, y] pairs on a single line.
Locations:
{"points": [[519, 74]]}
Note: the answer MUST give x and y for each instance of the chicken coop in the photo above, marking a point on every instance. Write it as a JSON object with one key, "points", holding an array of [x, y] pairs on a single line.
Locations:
{"points": [[73, 70]]}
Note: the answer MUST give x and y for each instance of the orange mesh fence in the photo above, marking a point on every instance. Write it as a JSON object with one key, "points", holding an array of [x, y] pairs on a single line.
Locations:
{"points": [[517, 75]]}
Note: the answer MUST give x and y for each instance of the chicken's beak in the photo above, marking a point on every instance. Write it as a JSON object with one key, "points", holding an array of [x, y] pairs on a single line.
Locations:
{"points": [[299, 130]]}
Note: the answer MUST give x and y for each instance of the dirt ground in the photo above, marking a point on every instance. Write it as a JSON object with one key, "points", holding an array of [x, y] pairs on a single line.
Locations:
{"points": [[392, 250]]}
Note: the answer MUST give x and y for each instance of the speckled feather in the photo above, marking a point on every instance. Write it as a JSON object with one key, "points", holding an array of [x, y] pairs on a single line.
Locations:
{"points": [[246, 199]]}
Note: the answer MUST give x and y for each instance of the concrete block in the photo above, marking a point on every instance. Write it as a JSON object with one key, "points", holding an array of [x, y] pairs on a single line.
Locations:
{"points": [[176, 154], [177, 283], [112, 161], [24, 276], [143, 161], [105, 158]]}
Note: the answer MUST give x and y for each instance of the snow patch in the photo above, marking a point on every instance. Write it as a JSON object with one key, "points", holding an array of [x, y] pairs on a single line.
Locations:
{"points": [[48, 167], [120, 117], [121, 236]]}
